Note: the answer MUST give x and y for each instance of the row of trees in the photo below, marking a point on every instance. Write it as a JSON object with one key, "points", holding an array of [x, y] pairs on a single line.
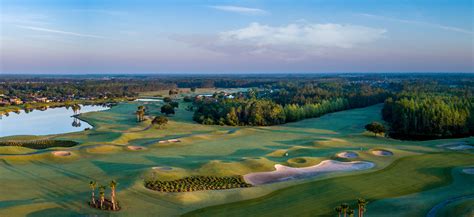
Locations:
{"points": [[421, 116], [39, 144], [235, 112], [262, 112], [102, 202], [197, 183]]}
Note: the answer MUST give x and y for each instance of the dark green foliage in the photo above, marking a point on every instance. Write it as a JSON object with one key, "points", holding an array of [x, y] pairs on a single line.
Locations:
{"points": [[287, 103], [39, 144], [375, 127], [167, 109], [419, 116], [167, 99], [197, 183], [174, 104], [187, 99], [239, 112], [159, 121]]}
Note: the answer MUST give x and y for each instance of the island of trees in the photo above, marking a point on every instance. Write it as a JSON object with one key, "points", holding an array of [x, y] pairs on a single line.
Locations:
{"points": [[197, 183]]}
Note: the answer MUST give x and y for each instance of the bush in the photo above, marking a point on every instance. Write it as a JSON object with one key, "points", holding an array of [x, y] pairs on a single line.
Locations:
{"points": [[197, 183], [40, 144]]}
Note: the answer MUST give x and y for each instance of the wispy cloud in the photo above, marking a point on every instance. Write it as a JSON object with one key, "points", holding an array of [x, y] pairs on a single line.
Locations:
{"points": [[433, 25], [288, 42], [59, 32], [240, 10]]}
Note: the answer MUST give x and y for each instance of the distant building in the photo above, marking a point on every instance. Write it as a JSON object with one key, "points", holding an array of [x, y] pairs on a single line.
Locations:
{"points": [[16, 101]]}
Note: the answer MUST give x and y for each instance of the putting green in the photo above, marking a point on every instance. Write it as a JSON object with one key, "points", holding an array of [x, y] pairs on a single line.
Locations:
{"points": [[37, 183]]}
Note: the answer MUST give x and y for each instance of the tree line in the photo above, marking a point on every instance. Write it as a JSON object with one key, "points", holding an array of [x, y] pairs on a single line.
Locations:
{"points": [[284, 103], [429, 116]]}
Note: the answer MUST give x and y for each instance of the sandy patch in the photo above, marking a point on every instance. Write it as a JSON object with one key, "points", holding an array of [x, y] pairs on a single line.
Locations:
{"points": [[347, 154], [382, 153], [469, 171], [284, 173], [169, 141], [135, 148], [61, 153], [457, 146]]}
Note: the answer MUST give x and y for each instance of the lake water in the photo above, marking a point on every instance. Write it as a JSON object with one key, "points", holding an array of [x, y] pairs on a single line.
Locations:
{"points": [[50, 121], [149, 100]]}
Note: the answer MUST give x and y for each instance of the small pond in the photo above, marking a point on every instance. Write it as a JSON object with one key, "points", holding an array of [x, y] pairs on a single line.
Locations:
{"points": [[50, 121]]}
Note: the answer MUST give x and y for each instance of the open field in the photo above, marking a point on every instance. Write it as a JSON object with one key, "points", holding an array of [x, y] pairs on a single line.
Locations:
{"points": [[40, 183]]}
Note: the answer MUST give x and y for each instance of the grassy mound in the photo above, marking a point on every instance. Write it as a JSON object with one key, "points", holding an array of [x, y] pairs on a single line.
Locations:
{"points": [[197, 183], [39, 144]]}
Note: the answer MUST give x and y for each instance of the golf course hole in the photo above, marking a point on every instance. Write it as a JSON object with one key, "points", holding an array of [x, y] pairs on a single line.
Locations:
{"points": [[347, 154], [382, 152]]}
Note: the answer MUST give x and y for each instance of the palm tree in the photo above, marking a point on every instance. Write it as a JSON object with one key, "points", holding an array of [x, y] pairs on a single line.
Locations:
{"points": [[140, 113], [92, 185], [75, 108], [362, 203], [113, 185], [344, 207], [350, 212], [338, 209], [102, 195]]}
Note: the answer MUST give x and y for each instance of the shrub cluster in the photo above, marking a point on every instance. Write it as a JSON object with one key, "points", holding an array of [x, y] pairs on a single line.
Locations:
{"points": [[197, 183], [39, 144]]}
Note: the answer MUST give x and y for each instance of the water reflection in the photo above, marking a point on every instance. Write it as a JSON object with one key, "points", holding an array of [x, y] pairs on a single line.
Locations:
{"points": [[46, 121]]}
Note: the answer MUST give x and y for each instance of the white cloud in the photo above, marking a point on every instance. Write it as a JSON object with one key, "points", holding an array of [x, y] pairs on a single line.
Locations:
{"points": [[59, 31], [291, 42], [304, 34], [240, 10]]}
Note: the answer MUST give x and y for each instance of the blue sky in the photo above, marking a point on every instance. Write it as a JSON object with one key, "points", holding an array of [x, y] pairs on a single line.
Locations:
{"points": [[253, 36]]}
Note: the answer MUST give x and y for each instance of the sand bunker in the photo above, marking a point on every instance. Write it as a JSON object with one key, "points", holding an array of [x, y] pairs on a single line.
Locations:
{"points": [[382, 153], [135, 148], [169, 141], [61, 153], [284, 173], [347, 154], [457, 146], [162, 168], [469, 171]]}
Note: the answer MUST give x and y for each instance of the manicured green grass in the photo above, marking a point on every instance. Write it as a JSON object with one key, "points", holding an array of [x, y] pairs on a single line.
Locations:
{"points": [[42, 184], [406, 175]]}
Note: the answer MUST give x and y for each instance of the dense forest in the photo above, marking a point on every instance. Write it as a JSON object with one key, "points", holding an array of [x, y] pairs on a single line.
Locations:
{"points": [[429, 116]]}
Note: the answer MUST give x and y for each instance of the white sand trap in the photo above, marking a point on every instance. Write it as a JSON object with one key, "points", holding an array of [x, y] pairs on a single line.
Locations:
{"points": [[135, 148], [283, 173], [347, 154], [169, 141], [61, 153], [458, 146], [382, 153], [469, 171]]}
